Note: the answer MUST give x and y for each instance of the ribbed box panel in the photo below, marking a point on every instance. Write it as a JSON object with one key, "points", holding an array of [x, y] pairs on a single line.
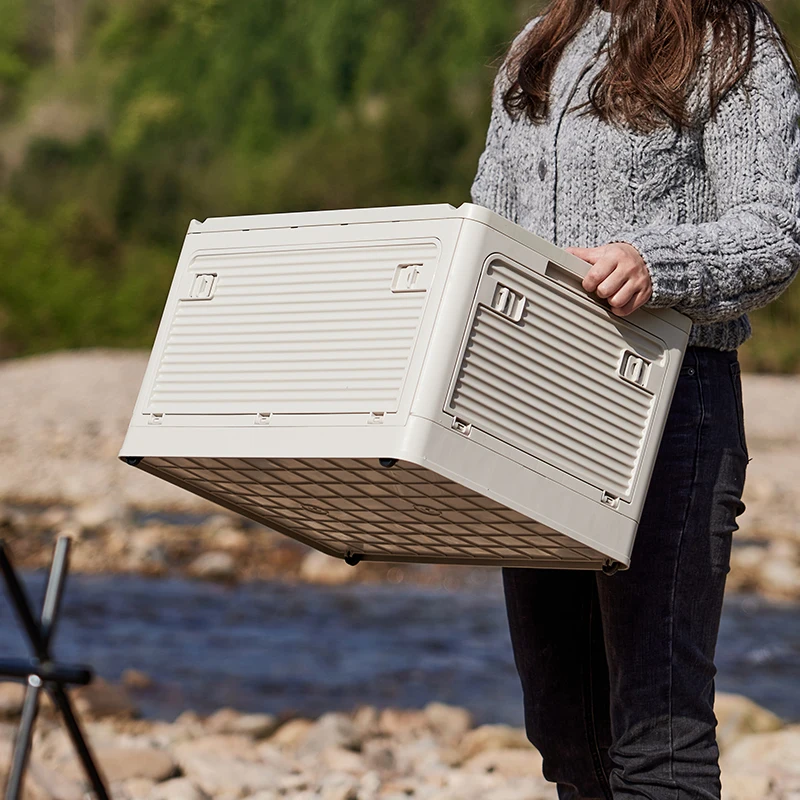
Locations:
{"points": [[306, 330], [549, 383], [518, 419], [354, 505]]}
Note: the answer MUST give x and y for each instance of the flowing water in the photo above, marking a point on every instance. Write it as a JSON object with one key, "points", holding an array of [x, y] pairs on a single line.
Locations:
{"points": [[278, 647]]}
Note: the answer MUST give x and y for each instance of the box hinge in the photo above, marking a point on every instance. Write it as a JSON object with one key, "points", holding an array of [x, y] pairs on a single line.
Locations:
{"points": [[608, 499], [460, 426]]}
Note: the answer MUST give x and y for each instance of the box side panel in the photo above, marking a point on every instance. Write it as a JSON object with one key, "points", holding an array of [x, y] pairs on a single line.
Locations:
{"points": [[304, 329], [550, 372], [570, 263]]}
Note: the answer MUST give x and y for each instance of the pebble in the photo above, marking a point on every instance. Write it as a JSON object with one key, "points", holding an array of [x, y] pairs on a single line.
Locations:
{"points": [[214, 566], [134, 788], [338, 759], [136, 679], [738, 716], [781, 578], [232, 746], [126, 763], [97, 514], [492, 737], [317, 567], [291, 734], [255, 726], [449, 723], [101, 699], [509, 762], [12, 696], [776, 753], [330, 730], [231, 539], [177, 789]]}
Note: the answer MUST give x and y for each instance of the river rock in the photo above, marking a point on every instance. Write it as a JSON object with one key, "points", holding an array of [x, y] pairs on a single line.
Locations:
{"points": [[177, 789], [378, 754], [402, 723], [449, 723], [255, 726], [146, 552], [102, 699], [291, 734], [338, 786], [529, 789], [317, 567], [232, 746], [222, 775], [97, 514], [330, 730], [492, 737], [219, 521], [337, 759], [231, 539], [366, 719], [419, 756], [52, 518], [12, 696], [738, 716], [214, 566], [775, 754], [125, 763], [190, 719], [135, 789], [746, 787], [294, 782], [52, 783], [508, 762], [779, 578], [136, 679]]}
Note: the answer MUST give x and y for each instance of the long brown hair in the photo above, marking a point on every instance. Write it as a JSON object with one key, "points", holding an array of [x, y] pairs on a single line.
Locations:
{"points": [[657, 46]]}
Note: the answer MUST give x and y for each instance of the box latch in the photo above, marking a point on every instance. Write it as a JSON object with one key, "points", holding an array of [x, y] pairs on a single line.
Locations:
{"points": [[203, 286], [634, 368]]}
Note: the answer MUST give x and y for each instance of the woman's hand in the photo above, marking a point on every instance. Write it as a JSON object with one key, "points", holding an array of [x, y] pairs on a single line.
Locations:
{"points": [[618, 274]]}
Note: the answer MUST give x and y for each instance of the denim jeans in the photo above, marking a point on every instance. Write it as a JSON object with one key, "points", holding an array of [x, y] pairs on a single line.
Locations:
{"points": [[618, 671]]}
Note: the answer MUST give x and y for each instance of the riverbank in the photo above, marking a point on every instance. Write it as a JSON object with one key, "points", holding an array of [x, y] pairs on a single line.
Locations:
{"points": [[68, 413], [431, 754]]}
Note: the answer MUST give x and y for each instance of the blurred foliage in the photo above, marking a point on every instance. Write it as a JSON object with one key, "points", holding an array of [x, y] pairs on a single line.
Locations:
{"points": [[121, 120]]}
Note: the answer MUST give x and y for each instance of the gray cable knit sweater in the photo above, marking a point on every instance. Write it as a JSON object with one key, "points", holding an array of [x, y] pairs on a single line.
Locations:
{"points": [[714, 212]]}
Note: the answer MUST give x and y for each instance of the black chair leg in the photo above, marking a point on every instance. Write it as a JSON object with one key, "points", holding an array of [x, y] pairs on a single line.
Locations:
{"points": [[42, 672]]}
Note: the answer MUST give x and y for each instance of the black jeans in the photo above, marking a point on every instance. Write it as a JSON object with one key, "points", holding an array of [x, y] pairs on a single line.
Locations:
{"points": [[618, 672]]}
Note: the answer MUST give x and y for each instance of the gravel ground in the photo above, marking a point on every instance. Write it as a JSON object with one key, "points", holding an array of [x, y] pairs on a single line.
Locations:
{"points": [[392, 754]]}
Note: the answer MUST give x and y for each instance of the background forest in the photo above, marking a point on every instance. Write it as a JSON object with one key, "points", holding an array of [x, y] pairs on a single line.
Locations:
{"points": [[121, 120]]}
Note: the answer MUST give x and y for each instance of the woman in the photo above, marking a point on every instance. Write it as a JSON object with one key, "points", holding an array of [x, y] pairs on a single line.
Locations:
{"points": [[659, 139]]}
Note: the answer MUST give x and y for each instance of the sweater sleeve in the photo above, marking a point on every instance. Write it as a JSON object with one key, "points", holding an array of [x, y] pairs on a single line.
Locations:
{"points": [[750, 253], [493, 187]]}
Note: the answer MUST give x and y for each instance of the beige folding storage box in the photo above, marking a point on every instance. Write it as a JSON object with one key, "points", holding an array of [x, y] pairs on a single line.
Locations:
{"points": [[422, 383]]}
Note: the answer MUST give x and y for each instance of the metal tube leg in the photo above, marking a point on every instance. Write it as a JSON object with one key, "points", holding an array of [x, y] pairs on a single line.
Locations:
{"points": [[40, 634], [63, 704], [22, 745], [21, 604]]}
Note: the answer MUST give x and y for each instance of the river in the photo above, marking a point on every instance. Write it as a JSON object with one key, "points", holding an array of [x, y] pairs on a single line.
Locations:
{"points": [[308, 649]]}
